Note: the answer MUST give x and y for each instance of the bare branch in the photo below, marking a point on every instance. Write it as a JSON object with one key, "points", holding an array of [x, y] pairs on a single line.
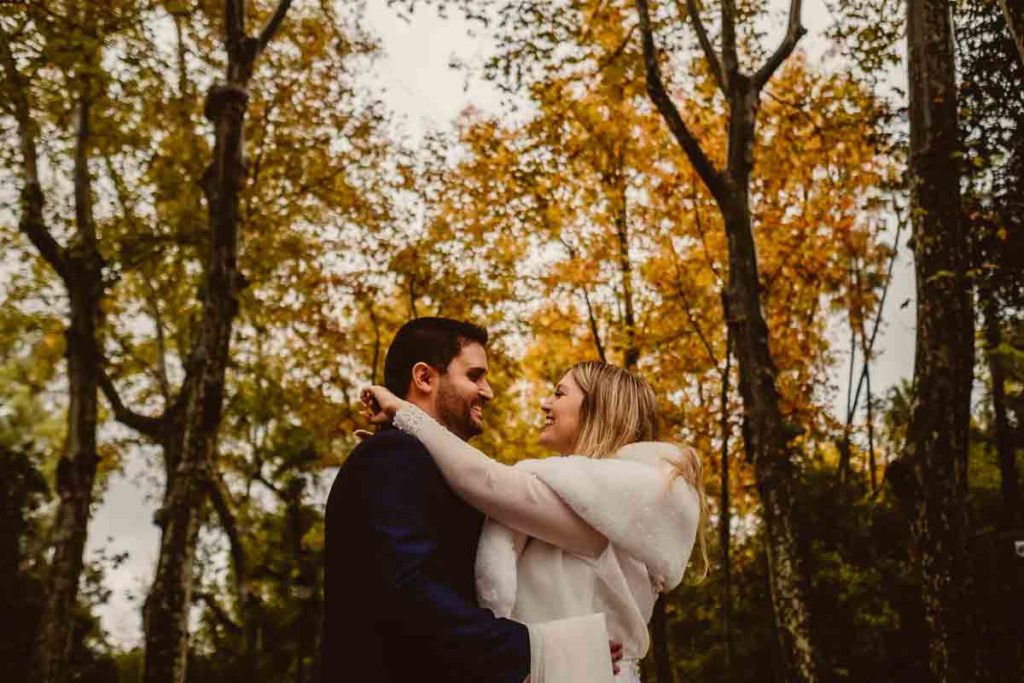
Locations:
{"points": [[656, 89], [220, 498], [877, 323], [84, 222], [591, 316], [794, 31], [721, 77], [32, 221], [234, 21], [144, 424], [681, 292], [274, 23], [730, 58]]}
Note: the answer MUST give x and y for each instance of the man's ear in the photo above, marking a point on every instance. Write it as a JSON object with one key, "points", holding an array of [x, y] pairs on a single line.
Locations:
{"points": [[424, 378]]}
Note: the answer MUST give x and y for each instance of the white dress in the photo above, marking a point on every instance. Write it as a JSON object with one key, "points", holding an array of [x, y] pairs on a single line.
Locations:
{"points": [[571, 537]]}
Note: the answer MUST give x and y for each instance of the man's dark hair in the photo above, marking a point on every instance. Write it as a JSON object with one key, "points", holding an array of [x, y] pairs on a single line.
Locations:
{"points": [[434, 341]]}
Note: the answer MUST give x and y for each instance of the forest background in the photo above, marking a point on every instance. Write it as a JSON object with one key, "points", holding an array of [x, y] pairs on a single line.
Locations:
{"points": [[214, 215]]}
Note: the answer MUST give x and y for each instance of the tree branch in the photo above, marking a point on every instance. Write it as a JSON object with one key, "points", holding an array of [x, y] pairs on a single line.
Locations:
{"points": [[219, 497], [721, 77], [144, 424], [273, 24], [591, 317], [656, 89], [234, 21], [730, 58], [84, 222], [794, 31], [32, 221], [681, 292]]}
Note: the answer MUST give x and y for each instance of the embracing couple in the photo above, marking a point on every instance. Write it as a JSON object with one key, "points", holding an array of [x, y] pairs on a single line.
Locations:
{"points": [[443, 564]]}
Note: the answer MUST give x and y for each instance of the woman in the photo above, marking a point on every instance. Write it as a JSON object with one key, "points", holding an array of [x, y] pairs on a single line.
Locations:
{"points": [[604, 529]]}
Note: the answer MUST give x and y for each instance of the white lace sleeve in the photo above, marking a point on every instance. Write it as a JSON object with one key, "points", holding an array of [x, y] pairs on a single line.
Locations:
{"points": [[512, 496]]}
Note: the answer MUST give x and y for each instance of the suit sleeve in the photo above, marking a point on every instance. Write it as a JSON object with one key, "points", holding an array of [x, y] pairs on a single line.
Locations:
{"points": [[397, 497]]}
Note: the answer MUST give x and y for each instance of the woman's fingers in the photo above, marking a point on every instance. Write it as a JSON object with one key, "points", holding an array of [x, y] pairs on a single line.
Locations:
{"points": [[616, 652]]}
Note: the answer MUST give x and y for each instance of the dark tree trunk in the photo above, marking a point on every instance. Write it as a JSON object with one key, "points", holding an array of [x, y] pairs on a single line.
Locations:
{"points": [[773, 454], [1013, 10], [659, 638], [725, 513], [632, 352], [768, 433], [80, 267], [22, 489], [76, 470], [931, 474], [165, 614], [1009, 481]]}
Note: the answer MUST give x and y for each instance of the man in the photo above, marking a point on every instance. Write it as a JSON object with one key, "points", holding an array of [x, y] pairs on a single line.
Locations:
{"points": [[400, 546]]}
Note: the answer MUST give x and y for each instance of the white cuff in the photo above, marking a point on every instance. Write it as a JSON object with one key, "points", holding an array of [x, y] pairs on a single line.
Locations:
{"points": [[573, 650]]}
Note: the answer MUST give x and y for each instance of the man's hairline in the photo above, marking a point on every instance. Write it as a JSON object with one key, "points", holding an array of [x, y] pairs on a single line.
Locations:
{"points": [[463, 341]]}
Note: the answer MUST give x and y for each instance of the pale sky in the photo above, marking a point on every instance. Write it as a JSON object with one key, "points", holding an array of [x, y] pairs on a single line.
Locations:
{"points": [[420, 86]]}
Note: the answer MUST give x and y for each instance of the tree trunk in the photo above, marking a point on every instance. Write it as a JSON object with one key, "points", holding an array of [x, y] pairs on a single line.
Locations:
{"points": [[659, 638], [931, 474], [632, 353], [76, 472], [725, 513], [771, 437], [80, 266], [768, 435], [1013, 10], [1009, 482], [165, 614], [22, 489], [166, 608]]}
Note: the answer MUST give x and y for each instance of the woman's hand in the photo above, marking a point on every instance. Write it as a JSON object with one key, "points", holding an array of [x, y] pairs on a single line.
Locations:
{"points": [[382, 404]]}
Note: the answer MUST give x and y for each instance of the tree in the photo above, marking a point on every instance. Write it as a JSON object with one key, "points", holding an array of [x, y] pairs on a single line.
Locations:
{"points": [[314, 183], [79, 266], [992, 118], [770, 433], [931, 473]]}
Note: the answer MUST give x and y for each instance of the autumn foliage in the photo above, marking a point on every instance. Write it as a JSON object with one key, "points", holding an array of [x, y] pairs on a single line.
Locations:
{"points": [[210, 249]]}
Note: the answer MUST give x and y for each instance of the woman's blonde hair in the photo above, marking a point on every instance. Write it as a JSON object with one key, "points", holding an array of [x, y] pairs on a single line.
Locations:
{"points": [[619, 408]]}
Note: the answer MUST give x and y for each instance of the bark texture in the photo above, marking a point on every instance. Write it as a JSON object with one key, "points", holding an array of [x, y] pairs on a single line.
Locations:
{"points": [[931, 474], [768, 433]]}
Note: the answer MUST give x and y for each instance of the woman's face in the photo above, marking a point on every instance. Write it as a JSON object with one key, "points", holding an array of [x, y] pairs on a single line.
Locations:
{"points": [[562, 416]]}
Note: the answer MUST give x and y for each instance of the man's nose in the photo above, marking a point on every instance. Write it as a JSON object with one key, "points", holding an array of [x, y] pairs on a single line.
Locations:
{"points": [[486, 391]]}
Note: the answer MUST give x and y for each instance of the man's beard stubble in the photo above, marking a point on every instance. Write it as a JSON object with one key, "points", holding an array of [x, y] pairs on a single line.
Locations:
{"points": [[454, 413]]}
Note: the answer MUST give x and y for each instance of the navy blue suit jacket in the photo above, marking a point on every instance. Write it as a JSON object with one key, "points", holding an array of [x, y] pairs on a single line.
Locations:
{"points": [[399, 590]]}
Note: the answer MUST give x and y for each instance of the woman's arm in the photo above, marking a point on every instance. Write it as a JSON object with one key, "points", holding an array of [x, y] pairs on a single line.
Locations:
{"points": [[511, 496]]}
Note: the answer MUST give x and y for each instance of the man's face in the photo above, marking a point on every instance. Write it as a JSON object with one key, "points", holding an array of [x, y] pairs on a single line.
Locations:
{"points": [[463, 391]]}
